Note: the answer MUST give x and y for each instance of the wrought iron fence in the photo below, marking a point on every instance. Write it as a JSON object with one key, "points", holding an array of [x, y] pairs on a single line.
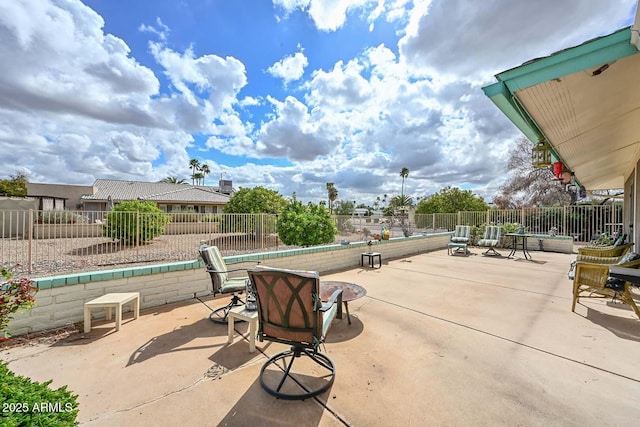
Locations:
{"points": [[44, 243]]}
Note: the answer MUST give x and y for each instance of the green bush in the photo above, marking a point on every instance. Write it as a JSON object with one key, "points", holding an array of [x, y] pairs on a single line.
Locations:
{"points": [[135, 221], [305, 225], [30, 403]]}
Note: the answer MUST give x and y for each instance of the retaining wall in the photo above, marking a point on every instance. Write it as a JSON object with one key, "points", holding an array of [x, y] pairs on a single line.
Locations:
{"points": [[60, 300]]}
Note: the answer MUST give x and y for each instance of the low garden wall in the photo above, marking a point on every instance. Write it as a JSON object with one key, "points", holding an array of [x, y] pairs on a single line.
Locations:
{"points": [[60, 299], [546, 243]]}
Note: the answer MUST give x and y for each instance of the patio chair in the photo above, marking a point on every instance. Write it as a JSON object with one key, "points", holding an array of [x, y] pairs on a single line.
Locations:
{"points": [[462, 234], [593, 281], [605, 251], [290, 312], [222, 283], [491, 239]]}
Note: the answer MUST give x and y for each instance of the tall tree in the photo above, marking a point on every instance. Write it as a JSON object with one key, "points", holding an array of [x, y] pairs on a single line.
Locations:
{"points": [[16, 185], [529, 186], [332, 195], [194, 165], [404, 173], [173, 180], [199, 178], [205, 171], [255, 200], [451, 200]]}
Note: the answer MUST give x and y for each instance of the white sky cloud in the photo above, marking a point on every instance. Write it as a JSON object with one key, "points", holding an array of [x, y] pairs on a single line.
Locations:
{"points": [[290, 68], [78, 102]]}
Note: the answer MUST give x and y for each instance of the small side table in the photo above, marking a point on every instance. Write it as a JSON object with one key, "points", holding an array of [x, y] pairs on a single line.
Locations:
{"points": [[111, 301], [251, 316], [372, 257]]}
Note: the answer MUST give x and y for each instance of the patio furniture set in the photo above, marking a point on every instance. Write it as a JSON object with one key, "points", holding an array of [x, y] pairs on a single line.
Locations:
{"points": [[461, 239]]}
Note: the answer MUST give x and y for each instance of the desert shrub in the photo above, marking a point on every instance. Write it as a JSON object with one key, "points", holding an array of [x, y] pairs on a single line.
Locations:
{"points": [[30, 403], [135, 221], [305, 225]]}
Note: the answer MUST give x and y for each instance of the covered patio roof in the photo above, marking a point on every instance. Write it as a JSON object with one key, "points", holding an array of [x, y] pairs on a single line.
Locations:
{"points": [[585, 101]]}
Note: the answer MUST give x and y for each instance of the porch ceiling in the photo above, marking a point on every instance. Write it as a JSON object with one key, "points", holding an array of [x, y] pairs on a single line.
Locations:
{"points": [[585, 100], [591, 119]]}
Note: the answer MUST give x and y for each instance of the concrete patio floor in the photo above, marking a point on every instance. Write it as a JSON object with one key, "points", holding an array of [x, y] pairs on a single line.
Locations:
{"points": [[438, 340]]}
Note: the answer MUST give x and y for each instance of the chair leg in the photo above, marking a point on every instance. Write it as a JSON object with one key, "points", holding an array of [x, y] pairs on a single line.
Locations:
{"points": [[628, 298], [492, 251], [221, 315], [279, 379]]}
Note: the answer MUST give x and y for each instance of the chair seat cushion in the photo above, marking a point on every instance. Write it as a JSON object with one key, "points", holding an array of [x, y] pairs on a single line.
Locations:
{"points": [[327, 319], [487, 242], [460, 239], [630, 256], [235, 284]]}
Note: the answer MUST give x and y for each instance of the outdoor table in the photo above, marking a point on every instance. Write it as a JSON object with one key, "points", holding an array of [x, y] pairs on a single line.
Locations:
{"points": [[524, 237], [350, 292]]}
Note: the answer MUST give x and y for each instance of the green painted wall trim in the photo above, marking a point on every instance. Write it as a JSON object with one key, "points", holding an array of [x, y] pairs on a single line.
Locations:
{"points": [[103, 275]]}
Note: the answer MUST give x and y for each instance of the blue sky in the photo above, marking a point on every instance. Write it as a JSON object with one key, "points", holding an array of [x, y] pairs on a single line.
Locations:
{"points": [[287, 94]]}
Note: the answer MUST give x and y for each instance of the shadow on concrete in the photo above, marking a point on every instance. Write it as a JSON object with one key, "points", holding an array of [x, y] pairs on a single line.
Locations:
{"points": [[622, 327], [257, 408], [176, 340]]}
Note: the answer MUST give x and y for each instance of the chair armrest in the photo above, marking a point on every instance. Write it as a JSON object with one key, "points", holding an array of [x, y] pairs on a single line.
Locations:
{"points": [[336, 297], [231, 270]]}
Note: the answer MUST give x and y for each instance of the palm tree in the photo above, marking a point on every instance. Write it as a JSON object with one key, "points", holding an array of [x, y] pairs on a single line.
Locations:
{"points": [[205, 171], [404, 173], [194, 165], [173, 180], [198, 177], [332, 195]]}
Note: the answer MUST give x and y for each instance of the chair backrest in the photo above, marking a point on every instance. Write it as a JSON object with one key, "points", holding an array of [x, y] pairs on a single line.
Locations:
{"points": [[216, 266], [288, 305], [462, 233], [492, 232]]}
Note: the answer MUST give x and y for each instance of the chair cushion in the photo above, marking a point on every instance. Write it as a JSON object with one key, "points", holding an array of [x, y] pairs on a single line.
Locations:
{"points": [[327, 319], [630, 256], [615, 284]]}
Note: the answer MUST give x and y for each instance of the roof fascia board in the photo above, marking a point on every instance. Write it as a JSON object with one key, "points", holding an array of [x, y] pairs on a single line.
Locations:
{"points": [[589, 54]]}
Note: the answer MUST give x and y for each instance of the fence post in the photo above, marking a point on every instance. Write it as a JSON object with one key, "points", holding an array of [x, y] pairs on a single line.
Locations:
{"points": [[564, 220], [138, 236], [433, 221], [31, 225]]}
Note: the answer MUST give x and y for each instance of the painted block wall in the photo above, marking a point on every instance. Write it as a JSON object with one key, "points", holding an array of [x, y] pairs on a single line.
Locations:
{"points": [[60, 300]]}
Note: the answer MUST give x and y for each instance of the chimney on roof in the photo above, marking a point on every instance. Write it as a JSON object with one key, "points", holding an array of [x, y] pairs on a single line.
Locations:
{"points": [[225, 186]]}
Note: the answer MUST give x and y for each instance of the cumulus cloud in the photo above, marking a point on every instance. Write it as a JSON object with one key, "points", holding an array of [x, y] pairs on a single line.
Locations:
{"points": [[74, 98], [477, 39], [290, 68], [329, 15]]}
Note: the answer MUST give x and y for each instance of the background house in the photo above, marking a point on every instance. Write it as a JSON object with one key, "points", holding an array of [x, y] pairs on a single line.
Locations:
{"points": [[105, 193]]}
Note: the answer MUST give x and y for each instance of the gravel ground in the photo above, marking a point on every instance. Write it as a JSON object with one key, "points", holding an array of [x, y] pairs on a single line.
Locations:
{"points": [[50, 257]]}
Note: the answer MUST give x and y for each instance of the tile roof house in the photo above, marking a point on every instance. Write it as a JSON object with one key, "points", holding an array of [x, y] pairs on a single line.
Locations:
{"points": [[169, 197]]}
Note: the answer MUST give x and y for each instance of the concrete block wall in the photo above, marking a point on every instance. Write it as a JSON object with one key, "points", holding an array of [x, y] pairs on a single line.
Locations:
{"points": [[60, 299]]}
